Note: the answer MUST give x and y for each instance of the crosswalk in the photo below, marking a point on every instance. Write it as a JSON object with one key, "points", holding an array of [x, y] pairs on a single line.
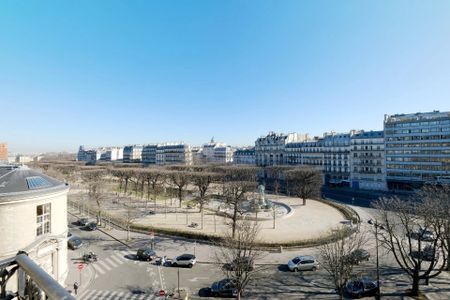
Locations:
{"points": [[115, 295], [117, 258]]}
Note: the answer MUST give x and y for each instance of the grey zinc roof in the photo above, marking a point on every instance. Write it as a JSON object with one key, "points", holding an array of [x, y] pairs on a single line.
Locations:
{"points": [[16, 180]]}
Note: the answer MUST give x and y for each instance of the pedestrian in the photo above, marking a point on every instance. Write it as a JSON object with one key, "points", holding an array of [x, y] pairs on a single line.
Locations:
{"points": [[163, 261], [75, 287]]}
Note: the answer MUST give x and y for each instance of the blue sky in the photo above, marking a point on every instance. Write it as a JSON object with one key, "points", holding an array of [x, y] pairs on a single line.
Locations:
{"points": [[120, 72]]}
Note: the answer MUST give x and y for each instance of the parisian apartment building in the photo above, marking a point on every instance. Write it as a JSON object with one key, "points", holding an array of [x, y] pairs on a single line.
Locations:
{"points": [[413, 149], [244, 156]]}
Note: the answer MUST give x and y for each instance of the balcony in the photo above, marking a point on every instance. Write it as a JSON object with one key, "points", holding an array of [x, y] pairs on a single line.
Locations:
{"points": [[32, 281]]}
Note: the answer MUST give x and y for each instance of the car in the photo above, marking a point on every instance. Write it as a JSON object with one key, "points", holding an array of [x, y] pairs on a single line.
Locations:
{"points": [[184, 260], [361, 287], [145, 254], [224, 288], [303, 263], [244, 263], [422, 234], [358, 256], [427, 254], [83, 221], [91, 226], [74, 242]]}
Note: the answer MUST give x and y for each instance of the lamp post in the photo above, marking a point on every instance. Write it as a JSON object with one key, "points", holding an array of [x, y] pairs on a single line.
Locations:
{"points": [[377, 296]]}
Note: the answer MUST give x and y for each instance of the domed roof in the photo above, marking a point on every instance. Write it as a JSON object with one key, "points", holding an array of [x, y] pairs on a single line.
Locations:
{"points": [[17, 180]]}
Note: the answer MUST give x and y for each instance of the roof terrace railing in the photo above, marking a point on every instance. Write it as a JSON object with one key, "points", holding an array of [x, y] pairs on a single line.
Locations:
{"points": [[32, 281]]}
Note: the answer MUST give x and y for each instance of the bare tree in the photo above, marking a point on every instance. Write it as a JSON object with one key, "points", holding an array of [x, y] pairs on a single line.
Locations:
{"points": [[336, 256], [304, 182], [180, 179], [238, 182], [237, 252], [131, 214], [124, 176], [275, 175], [437, 200], [405, 223], [202, 180], [154, 178], [95, 181]]}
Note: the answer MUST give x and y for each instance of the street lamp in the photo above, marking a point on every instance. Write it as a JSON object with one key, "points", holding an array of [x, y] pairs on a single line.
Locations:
{"points": [[377, 296]]}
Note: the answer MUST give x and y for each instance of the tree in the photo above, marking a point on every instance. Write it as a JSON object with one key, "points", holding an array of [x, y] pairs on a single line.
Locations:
{"points": [[238, 182], [131, 214], [335, 256], [237, 252], [124, 175], [405, 221], [437, 198], [304, 182], [153, 177], [180, 179], [202, 181], [275, 175], [95, 181]]}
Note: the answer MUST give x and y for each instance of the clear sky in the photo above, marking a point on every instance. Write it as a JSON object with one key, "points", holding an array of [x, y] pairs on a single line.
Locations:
{"points": [[102, 73]]}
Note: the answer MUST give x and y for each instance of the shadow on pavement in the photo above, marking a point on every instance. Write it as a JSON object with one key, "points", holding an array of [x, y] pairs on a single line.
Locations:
{"points": [[283, 268]]}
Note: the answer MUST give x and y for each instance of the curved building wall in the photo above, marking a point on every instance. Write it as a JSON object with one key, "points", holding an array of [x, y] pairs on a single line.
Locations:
{"points": [[18, 229]]}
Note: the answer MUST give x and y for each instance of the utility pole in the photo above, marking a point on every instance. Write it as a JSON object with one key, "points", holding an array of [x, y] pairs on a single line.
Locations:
{"points": [[378, 297]]}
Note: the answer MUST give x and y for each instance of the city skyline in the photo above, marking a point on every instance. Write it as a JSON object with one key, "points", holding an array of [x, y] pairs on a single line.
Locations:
{"points": [[80, 74]]}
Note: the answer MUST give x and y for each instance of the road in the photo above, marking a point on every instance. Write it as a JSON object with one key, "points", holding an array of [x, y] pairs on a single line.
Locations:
{"points": [[117, 275]]}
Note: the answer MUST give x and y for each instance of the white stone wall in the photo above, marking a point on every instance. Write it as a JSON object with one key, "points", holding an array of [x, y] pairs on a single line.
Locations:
{"points": [[18, 231]]}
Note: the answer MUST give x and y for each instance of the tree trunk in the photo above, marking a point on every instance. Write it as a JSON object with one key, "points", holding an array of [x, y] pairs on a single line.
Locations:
{"points": [[202, 219], [180, 197], [415, 286], [304, 201], [234, 219], [448, 254], [126, 185]]}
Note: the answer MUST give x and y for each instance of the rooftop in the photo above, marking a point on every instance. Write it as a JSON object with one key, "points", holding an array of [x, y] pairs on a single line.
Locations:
{"points": [[18, 180]]}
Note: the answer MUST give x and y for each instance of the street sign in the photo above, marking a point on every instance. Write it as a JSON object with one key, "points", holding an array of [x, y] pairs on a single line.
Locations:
{"points": [[80, 266], [162, 293]]}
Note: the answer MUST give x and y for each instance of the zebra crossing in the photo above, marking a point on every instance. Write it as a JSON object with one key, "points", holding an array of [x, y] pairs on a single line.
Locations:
{"points": [[117, 258], [115, 295]]}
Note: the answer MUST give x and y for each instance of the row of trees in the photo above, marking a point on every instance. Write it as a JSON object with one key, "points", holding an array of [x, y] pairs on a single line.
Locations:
{"points": [[233, 184]]}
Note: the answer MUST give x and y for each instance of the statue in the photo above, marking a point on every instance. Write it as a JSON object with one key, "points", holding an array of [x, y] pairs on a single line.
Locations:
{"points": [[262, 202]]}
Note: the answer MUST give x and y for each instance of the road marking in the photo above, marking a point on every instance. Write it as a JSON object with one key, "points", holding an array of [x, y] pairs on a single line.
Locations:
{"points": [[110, 262], [98, 294], [105, 265], [160, 277], [85, 292], [195, 279], [116, 259], [98, 269]]}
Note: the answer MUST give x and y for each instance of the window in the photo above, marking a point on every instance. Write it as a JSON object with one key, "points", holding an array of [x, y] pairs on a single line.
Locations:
{"points": [[43, 217]]}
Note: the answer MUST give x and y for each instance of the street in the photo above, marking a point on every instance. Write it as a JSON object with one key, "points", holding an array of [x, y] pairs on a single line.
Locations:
{"points": [[118, 275]]}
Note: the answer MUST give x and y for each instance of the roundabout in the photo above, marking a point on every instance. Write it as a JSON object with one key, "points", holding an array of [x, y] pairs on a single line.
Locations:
{"points": [[287, 222]]}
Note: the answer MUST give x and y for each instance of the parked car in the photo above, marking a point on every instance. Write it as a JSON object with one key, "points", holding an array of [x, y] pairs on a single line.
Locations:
{"points": [[427, 254], [184, 260], [74, 242], [361, 287], [358, 256], [82, 221], [146, 254], [423, 234], [224, 288], [245, 263], [91, 226], [303, 263]]}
